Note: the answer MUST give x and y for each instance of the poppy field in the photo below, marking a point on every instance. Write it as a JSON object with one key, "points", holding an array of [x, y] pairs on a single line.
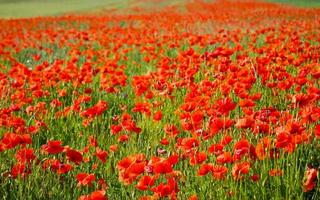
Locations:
{"points": [[191, 100]]}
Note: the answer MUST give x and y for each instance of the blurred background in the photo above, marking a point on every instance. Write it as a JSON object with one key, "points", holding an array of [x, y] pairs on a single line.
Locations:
{"points": [[34, 8]]}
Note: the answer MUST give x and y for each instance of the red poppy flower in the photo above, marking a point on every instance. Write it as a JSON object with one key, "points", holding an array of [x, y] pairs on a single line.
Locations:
{"points": [[164, 190], [123, 138], [164, 141], [246, 122], [125, 163], [283, 140], [20, 169], [96, 195], [255, 177], [136, 168], [162, 167], [145, 182], [74, 156], [189, 143], [310, 179], [59, 167], [171, 130], [225, 157], [142, 108], [96, 110], [198, 158], [275, 172], [173, 159], [113, 148], [101, 154], [239, 169], [217, 124], [241, 148], [92, 141], [25, 155], [131, 167], [260, 151], [85, 179], [226, 140], [157, 116], [224, 106], [115, 129], [53, 147], [246, 103], [219, 172], [11, 140], [205, 169], [216, 149]]}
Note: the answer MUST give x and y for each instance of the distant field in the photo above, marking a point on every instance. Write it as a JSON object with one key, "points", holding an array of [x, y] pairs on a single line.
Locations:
{"points": [[33, 8], [302, 3]]}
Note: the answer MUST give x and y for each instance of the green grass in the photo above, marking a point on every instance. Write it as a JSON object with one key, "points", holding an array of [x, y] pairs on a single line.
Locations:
{"points": [[300, 3], [33, 8]]}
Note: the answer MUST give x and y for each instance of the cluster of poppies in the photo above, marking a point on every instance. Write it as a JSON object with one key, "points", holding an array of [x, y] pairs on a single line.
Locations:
{"points": [[161, 99]]}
